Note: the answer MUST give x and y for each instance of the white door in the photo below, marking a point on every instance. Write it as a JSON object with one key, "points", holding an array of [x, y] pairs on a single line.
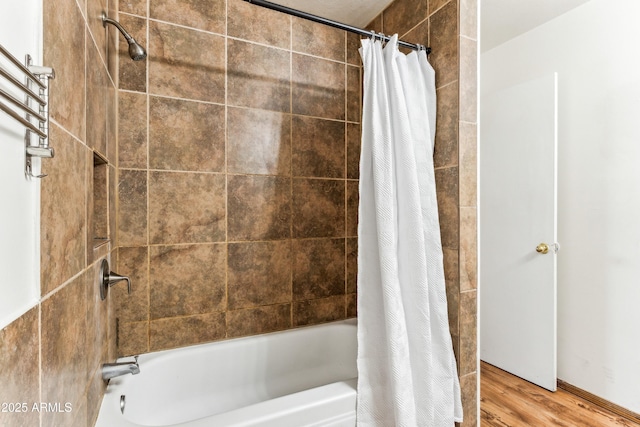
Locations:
{"points": [[518, 192]]}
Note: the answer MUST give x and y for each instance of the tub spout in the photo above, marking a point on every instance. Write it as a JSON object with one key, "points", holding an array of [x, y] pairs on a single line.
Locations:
{"points": [[112, 370]]}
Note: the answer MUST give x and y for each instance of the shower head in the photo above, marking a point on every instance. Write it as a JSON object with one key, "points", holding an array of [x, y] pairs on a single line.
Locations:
{"points": [[136, 52]]}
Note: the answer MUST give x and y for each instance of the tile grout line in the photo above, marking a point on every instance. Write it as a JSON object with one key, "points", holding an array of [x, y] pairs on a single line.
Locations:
{"points": [[346, 189], [239, 107], [291, 309], [226, 167], [148, 174], [345, 171]]}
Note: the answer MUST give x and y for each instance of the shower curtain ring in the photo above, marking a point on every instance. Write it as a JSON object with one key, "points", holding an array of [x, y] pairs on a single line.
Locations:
{"points": [[383, 38]]}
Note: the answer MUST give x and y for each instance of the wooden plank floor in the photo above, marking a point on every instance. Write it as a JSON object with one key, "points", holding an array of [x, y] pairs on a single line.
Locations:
{"points": [[509, 401]]}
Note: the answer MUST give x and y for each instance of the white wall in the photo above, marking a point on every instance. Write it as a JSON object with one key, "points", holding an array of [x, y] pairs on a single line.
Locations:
{"points": [[595, 50], [20, 33]]}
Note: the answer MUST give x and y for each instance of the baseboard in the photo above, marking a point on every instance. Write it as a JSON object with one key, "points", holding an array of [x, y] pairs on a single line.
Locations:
{"points": [[596, 400]]}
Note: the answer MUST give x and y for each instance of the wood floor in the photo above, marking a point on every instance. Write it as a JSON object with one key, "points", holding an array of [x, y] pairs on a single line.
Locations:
{"points": [[508, 401]]}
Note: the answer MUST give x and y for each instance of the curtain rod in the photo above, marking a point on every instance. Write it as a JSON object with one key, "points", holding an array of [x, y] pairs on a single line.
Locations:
{"points": [[329, 22]]}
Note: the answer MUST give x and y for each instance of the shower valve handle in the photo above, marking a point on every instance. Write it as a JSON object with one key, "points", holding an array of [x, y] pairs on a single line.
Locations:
{"points": [[114, 278], [108, 278]]}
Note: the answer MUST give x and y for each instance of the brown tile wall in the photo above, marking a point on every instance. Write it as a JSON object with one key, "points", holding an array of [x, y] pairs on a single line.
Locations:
{"points": [[53, 353], [238, 168], [450, 28]]}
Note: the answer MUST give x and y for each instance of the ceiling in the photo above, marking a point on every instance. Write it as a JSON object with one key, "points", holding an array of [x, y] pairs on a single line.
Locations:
{"points": [[502, 20], [353, 12]]}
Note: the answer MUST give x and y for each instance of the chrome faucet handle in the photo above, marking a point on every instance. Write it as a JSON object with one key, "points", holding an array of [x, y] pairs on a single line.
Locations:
{"points": [[108, 278], [114, 278]]}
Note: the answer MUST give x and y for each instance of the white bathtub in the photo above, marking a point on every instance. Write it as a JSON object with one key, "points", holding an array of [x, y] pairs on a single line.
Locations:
{"points": [[296, 378]]}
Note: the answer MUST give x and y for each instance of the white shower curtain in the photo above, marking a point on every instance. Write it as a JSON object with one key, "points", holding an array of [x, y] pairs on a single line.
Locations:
{"points": [[407, 374]]}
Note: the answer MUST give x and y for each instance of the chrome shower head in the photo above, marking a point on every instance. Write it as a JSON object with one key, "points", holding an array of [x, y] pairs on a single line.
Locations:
{"points": [[136, 52]]}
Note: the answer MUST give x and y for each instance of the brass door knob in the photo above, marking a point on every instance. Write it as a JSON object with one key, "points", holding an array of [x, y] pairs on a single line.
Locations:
{"points": [[542, 248]]}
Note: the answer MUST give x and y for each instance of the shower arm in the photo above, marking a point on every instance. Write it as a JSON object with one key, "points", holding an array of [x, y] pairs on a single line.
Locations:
{"points": [[136, 51], [106, 20]]}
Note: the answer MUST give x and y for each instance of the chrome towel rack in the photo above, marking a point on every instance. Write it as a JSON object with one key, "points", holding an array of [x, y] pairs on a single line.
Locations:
{"points": [[33, 111]]}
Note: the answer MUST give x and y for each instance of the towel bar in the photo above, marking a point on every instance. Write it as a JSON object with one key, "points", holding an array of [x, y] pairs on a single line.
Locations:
{"points": [[34, 120]]}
